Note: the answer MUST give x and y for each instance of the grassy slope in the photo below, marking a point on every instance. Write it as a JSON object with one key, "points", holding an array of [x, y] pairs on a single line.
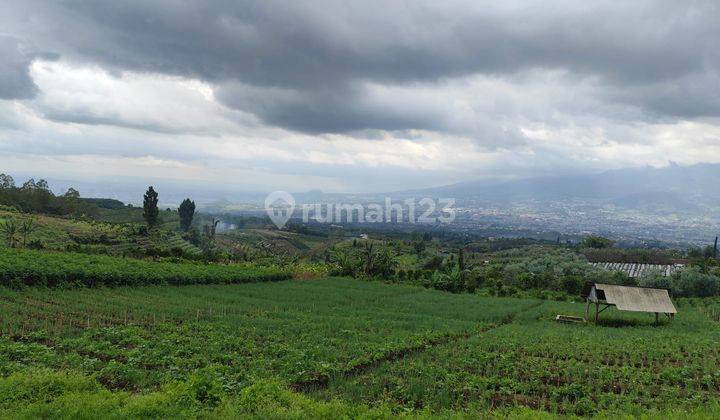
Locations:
{"points": [[114, 236], [57, 233], [240, 349], [260, 242]]}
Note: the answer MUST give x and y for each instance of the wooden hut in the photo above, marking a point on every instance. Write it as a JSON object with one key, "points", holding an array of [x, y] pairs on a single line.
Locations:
{"points": [[628, 298]]}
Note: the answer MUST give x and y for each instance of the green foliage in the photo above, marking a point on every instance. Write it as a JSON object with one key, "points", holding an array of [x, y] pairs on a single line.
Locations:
{"points": [[656, 279], [26, 228], [344, 263], [6, 182], [692, 282], [10, 230], [564, 272], [342, 348], [367, 260], [433, 263], [638, 256], [576, 370], [72, 193], [137, 339], [86, 235], [688, 282], [597, 242], [53, 269], [35, 197], [186, 212], [105, 203], [419, 247], [150, 207]]}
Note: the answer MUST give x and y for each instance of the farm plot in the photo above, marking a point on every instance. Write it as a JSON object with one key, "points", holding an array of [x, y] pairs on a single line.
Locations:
{"points": [[626, 365], [340, 347], [300, 333], [20, 267]]}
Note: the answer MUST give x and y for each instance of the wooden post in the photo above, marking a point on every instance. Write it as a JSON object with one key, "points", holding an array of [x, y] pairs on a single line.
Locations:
{"points": [[587, 309], [597, 311], [657, 318]]}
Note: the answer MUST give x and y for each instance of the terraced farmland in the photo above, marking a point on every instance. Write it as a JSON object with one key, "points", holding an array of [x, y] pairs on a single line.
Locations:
{"points": [[336, 347]]}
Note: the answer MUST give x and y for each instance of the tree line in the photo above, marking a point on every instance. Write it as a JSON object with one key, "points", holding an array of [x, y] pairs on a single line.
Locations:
{"points": [[35, 197]]}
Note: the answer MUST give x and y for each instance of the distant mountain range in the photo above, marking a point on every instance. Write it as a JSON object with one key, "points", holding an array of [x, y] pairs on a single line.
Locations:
{"points": [[693, 189], [674, 188], [684, 188]]}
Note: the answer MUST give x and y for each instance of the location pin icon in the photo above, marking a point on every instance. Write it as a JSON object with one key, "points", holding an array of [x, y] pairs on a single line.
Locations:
{"points": [[279, 206]]}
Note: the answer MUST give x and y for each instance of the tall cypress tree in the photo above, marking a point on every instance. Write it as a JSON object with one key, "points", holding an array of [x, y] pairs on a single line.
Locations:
{"points": [[150, 207], [186, 211]]}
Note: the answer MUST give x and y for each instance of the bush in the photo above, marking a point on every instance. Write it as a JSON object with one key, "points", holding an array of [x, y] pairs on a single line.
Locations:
{"points": [[36, 244], [471, 281], [654, 278], [433, 263], [692, 282], [597, 242], [563, 273]]}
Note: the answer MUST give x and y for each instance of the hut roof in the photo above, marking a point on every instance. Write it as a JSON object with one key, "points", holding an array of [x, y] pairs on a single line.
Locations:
{"points": [[636, 299]]}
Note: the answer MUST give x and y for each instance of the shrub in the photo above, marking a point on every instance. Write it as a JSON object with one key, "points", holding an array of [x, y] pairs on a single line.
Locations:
{"points": [[654, 278], [692, 282]]}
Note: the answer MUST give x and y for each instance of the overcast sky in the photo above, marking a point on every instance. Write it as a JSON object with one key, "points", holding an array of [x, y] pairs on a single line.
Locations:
{"points": [[354, 96]]}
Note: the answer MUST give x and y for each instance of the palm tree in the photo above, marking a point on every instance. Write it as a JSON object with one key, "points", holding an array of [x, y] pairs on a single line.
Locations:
{"points": [[369, 257], [26, 228], [345, 262], [10, 229]]}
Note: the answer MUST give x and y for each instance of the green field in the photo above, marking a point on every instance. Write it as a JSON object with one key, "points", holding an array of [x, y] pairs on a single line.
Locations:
{"points": [[337, 346], [627, 366], [23, 267]]}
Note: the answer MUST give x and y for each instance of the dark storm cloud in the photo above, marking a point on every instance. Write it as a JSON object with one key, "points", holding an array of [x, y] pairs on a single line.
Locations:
{"points": [[15, 80], [325, 109], [304, 65], [692, 96], [87, 117]]}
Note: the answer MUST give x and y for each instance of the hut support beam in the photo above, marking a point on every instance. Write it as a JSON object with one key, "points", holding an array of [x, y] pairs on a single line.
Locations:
{"points": [[598, 311], [587, 309]]}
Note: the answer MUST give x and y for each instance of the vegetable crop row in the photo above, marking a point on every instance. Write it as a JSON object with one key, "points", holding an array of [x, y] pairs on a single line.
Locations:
{"points": [[51, 269]]}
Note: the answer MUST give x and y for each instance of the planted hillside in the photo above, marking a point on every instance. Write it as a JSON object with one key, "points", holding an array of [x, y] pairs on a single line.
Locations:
{"points": [[623, 365], [38, 268], [287, 350]]}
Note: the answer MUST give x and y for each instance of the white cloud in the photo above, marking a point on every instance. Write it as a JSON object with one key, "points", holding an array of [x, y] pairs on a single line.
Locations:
{"points": [[88, 123], [153, 102]]}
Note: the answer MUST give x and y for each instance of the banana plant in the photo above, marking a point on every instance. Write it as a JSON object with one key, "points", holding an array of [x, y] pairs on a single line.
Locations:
{"points": [[10, 230], [27, 227]]}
